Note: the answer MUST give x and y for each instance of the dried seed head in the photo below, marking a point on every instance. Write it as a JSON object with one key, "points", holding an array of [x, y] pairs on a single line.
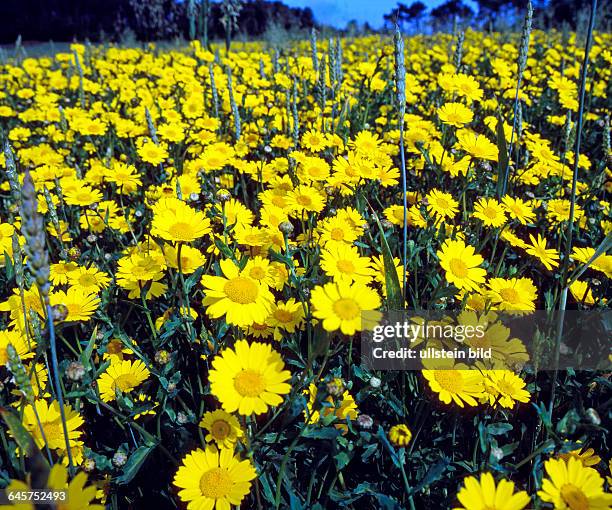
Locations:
{"points": [[75, 371], [119, 459], [59, 312], [162, 357], [365, 421], [286, 227]]}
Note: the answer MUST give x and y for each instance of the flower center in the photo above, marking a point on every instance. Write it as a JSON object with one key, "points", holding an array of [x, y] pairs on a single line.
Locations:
{"points": [[458, 268], [345, 266], [337, 234], [441, 203], [180, 230], [257, 273], [241, 290], [216, 483], [220, 429], [303, 200], [125, 382], [283, 316], [489, 212], [346, 308], [249, 383], [450, 380], [87, 280], [54, 432], [510, 295], [573, 497]]}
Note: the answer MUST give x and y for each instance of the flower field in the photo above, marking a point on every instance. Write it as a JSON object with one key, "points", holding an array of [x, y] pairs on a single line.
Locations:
{"points": [[191, 237]]}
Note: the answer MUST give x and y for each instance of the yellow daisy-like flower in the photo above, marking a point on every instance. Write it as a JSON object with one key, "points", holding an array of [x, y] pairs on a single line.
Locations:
{"points": [[505, 388], [287, 316], [344, 264], [477, 146], [585, 455], [89, 279], [517, 294], [441, 204], [518, 209], [175, 221], [341, 305], [123, 375], [249, 378], [461, 265], [490, 212], [78, 495], [582, 293], [240, 298], [484, 494], [222, 427], [213, 479], [455, 114], [400, 435], [81, 305], [548, 256], [24, 348], [191, 258], [453, 383], [51, 421], [152, 153], [572, 486]]}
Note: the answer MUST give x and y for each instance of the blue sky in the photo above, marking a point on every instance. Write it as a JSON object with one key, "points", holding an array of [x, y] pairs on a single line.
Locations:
{"points": [[338, 12]]}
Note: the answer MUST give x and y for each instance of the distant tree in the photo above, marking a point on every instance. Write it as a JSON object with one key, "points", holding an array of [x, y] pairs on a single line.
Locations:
{"points": [[449, 11], [416, 12]]}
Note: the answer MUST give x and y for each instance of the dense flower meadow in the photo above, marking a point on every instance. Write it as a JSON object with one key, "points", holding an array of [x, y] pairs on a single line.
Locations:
{"points": [[190, 239]]}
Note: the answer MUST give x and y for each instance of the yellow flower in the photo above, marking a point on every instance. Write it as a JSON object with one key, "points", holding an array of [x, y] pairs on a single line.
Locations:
{"points": [[453, 383], [461, 265], [51, 421], [400, 435], [344, 264], [484, 494], [455, 114], [123, 375], [477, 146], [570, 485], [174, 220], [441, 204], [89, 279], [504, 387], [151, 153], [222, 427], [249, 378], [80, 304], [490, 212], [213, 479], [548, 256], [341, 305], [518, 294], [24, 346], [240, 298], [582, 293]]}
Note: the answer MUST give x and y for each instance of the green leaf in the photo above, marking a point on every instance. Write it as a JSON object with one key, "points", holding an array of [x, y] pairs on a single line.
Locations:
{"points": [[502, 162], [342, 459], [18, 431], [134, 463], [395, 300], [497, 429], [317, 432]]}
